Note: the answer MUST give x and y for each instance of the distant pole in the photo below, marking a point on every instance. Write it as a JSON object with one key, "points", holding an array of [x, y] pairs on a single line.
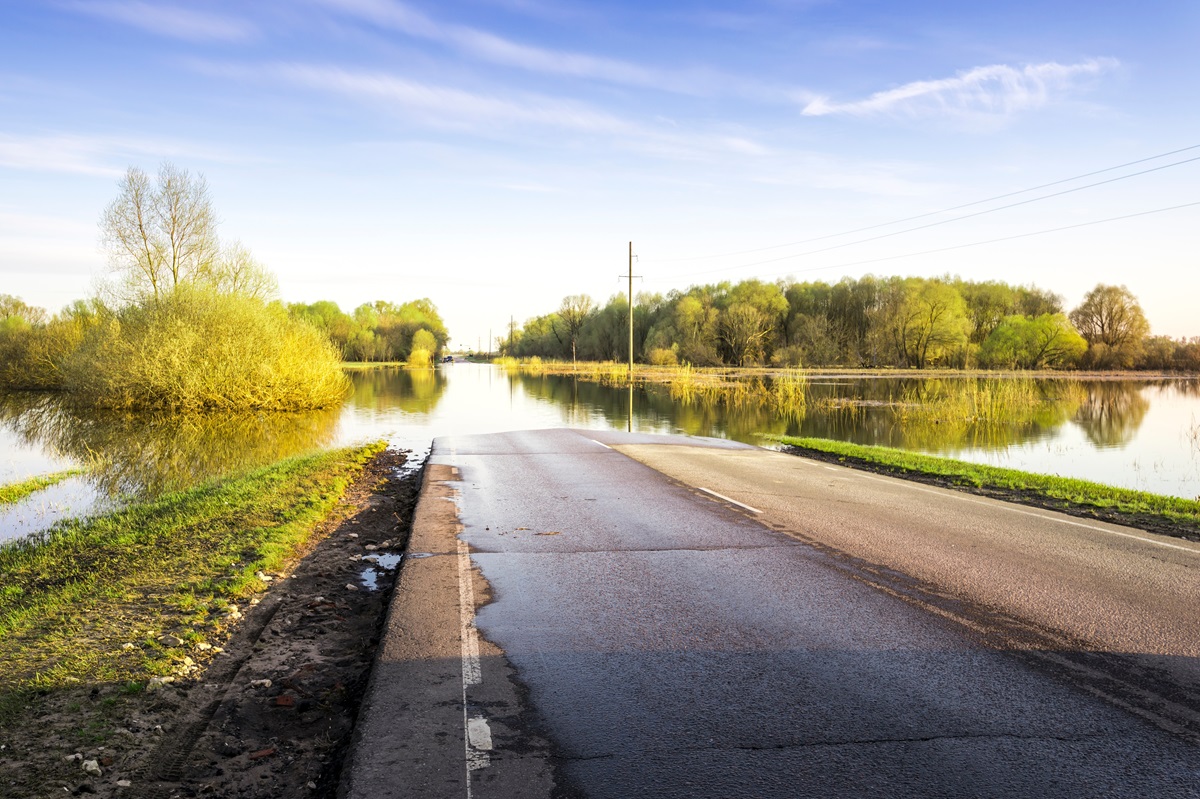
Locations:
{"points": [[512, 332], [631, 313]]}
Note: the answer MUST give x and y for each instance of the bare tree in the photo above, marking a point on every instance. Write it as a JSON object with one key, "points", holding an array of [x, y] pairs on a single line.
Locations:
{"points": [[573, 314], [158, 235], [236, 271]]}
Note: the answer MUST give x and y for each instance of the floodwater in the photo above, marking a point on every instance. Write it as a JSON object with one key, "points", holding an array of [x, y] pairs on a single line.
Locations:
{"points": [[1142, 434]]}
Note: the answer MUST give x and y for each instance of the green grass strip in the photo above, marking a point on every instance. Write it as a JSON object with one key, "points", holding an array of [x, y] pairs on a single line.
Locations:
{"points": [[1068, 490], [89, 600], [15, 492]]}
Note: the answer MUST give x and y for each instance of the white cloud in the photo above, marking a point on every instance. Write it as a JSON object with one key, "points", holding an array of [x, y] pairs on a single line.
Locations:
{"points": [[488, 47], [997, 90], [450, 106], [490, 114], [99, 156], [167, 20], [71, 154]]}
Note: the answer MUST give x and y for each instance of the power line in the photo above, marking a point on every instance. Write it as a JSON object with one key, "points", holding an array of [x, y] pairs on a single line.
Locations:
{"points": [[940, 222], [1001, 239], [943, 210]]}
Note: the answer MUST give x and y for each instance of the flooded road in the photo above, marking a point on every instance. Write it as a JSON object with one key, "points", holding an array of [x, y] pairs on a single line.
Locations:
{"points": [[1142, 434]]}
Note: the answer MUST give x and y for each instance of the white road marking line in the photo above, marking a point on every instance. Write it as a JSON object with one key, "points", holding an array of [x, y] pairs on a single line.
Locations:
{"points": [[730, 501], [1036, 515], [475, 756], [468, 634], [594, 441], [479, 734]]}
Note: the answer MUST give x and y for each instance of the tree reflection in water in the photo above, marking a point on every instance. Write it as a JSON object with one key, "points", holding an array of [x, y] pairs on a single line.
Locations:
{"points": [[148, 454]]}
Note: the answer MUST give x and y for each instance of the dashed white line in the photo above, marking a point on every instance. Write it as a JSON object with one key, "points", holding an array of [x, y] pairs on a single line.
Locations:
{"points": [[594, 441], [730, 501], [1036, 515]]}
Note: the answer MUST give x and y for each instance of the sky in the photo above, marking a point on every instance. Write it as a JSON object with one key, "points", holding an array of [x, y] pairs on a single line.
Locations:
{"points": [[496, 156]]}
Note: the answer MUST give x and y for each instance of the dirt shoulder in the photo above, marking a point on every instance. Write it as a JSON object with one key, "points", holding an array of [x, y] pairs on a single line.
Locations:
{"points": [[272, 714], [1142, 521]]}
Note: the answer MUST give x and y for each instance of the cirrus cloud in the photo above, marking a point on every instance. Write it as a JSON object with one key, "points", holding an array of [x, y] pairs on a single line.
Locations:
{"points": [[996, 90]]}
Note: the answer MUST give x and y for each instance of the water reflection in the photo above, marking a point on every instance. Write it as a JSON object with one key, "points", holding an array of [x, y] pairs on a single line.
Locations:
{"points": [[147, 454], [1112, 413], [1139, 434], [415, 391]]}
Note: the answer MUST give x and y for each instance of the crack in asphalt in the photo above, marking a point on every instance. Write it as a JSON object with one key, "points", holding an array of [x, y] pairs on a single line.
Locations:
{"points": [[1079, 738]]}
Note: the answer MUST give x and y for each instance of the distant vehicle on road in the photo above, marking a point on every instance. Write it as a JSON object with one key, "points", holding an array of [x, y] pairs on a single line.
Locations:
{"points": [[448, 359]]}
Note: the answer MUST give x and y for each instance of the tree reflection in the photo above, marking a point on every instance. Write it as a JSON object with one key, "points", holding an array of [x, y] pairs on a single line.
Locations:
{"points": [[382, 388], [148, 454], [1112, 412]]}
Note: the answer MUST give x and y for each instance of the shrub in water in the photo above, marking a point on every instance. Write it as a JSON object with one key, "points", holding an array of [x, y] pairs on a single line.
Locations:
{"points": [[199, 349]]}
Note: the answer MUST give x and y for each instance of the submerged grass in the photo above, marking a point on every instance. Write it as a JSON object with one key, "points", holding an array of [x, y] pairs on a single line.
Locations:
{"points": [[15, 492], [91, 600], [1067, 491]]}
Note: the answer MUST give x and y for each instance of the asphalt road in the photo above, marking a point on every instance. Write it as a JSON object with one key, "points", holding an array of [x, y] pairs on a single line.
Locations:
{"points": [[739, 623]]}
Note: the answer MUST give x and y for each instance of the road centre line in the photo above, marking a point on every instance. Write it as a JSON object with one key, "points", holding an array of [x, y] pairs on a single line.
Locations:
{"points": [[730, 501], [1014, 509]]}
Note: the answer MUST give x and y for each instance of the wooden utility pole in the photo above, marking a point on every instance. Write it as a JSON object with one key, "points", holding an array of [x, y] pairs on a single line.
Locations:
{"points": [[631, 313], [631, 276]]}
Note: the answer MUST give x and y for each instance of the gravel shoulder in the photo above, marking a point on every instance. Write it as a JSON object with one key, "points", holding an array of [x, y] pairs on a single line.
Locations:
{"points": [[272, 714]]}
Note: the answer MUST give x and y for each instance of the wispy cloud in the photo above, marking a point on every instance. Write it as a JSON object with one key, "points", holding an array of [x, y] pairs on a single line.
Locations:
{"points": [[450, 106], [490, 48], [98, 156], [168, 20], [997, 90], [525, 116]]}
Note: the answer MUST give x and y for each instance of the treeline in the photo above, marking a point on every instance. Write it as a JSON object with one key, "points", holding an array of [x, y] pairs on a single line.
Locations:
{"points": [[380, 331], [186, 322], [867, 322]]}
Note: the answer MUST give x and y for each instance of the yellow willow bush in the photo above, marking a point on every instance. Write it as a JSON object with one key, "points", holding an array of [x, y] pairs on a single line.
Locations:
{"points": [[197, 349]]}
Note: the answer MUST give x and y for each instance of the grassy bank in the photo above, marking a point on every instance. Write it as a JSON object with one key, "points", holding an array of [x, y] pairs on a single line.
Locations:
{"points": [[15, 492], [1170, 515], [120, 598]]}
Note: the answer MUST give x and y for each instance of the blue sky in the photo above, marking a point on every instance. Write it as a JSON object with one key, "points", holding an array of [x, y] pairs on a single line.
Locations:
{"points": [[498, 155]]}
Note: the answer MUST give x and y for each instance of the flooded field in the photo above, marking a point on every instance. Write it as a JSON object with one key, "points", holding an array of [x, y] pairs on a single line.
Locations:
{"points": [[1142, 434]]}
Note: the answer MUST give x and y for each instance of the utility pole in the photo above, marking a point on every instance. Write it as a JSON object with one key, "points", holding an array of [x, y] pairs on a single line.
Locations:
{"points": [[631, 313], [512, 328], [631, 276]]}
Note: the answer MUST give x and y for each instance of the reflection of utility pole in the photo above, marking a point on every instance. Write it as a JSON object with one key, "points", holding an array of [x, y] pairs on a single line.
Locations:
{"points": [[631, 276]]}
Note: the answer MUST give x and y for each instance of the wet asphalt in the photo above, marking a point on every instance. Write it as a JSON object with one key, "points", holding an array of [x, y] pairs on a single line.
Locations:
{"points": [[668, 644]]}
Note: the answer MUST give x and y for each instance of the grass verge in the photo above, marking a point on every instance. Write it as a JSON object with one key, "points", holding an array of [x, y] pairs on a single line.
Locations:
{"points": [[126, 597], [1154, 512], [15, 492]]}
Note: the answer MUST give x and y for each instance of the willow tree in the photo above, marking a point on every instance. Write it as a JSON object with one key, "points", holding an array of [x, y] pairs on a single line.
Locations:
{"points": [[1112, 322], [161, 234]]}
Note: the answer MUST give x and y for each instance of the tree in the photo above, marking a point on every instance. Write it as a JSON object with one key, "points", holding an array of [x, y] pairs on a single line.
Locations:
{"points": [[159, 235], [1113, 324], [744, 332], [925, 319], [14, 309], [1050, 340], [572, 316], [235, 271]]}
